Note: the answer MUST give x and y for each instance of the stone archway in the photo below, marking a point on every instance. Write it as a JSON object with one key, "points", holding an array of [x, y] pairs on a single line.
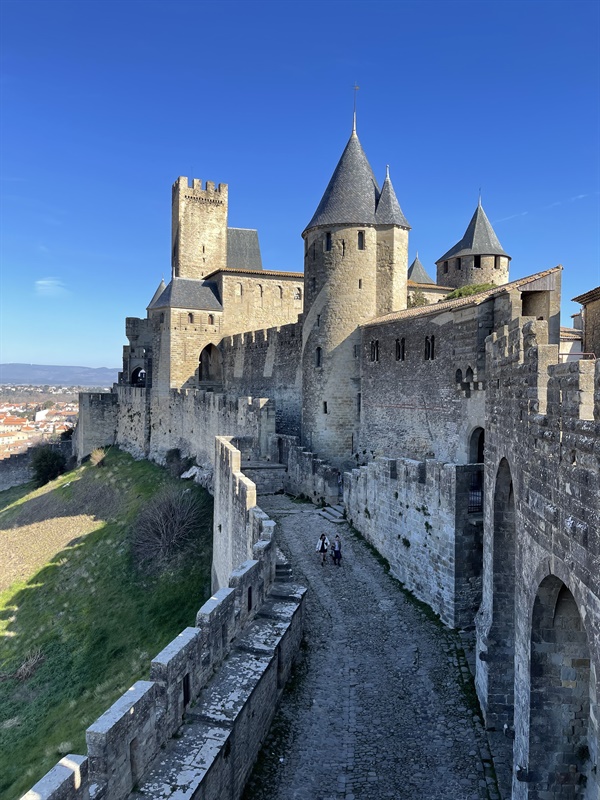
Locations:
{"points": [[501, 638], [476, 446], [138, 377], [560, 698], [209, 367]]}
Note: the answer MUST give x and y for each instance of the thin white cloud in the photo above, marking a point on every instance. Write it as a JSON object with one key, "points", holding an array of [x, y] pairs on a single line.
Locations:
{"points": [[512, 216], [552, 205], [50, 287]]}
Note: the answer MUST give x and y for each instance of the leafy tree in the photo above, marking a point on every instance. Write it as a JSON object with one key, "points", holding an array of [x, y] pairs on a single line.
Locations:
{"points": [[467, 291], [417, 299], [47, 463]]}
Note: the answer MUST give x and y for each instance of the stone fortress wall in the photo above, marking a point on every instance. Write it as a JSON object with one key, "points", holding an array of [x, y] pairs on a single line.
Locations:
{"points": [[213, 690], [539, 624]]}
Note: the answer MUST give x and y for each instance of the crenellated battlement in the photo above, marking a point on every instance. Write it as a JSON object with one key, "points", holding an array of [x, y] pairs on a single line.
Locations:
{"points": [[196, 188]]}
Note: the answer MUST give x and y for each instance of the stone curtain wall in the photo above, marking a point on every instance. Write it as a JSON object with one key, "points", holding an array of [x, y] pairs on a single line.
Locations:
{"points": [[415, 514], [97, 422], [15, 470], [238, 522], [267, 363], [205, 675], [420, 407], [542, 445]]}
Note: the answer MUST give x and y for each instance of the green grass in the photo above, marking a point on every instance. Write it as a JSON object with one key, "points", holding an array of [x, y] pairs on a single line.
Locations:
{"points": [[89, 618]]}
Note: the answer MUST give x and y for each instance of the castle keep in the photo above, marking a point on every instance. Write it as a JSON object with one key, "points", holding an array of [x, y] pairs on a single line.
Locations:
{"points": [[468, 450]]}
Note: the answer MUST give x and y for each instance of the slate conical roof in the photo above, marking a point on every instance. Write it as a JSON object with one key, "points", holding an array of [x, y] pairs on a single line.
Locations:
{"points": [[352, 193], [479, 239], [417, 273], [161, 287], [388, 211]]}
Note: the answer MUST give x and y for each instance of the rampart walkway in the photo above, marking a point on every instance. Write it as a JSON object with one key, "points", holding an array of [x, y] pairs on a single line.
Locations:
{"points": [[378, 708]]}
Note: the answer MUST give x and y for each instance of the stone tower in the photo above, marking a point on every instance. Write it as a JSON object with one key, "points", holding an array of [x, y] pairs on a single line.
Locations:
{"points": [[199, 228], [477, 258], [355, 265]]}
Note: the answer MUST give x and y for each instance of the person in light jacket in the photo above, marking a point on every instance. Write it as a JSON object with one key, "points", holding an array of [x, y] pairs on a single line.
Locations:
{"points": [[322, 547]]}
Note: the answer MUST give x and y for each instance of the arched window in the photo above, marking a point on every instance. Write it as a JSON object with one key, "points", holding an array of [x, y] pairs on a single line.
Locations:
{"points": [[458, 376], [260, 293], [476, 446], [280, 292], [238, 292], [191, 319], [211, 319], [469, 375], [297, 293], [361, 240]]}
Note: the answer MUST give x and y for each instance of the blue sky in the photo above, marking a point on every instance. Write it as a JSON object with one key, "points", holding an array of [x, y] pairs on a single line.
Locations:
{"points": [[105, 103]]}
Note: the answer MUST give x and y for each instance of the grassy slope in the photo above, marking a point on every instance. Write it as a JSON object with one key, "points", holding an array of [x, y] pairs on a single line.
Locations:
{"points": [[95, 622]]}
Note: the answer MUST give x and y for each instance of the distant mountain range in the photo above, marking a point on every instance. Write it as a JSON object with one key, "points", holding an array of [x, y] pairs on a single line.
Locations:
{"points": [[43, 374]]}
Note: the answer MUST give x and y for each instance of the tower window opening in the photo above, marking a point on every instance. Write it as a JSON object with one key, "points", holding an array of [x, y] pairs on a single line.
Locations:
{"points": [[280, 292], [355, 351], [328, 241], [314, 250], [343, 247], [358, 402], [318, 320], [239, 290], [432, 347], [361, 240], [191, 318], [477, 262], [427, 348], [496, 262], [459, 263], [324, 406], [445, 266], [313, 284], [360, 283], [375, 350], [400, 349], [211, 319], [297, 294], [318, 357], [162, 317]]}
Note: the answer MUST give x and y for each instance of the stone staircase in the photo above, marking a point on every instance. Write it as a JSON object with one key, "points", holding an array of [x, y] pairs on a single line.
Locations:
{"points": [[333, 514]]}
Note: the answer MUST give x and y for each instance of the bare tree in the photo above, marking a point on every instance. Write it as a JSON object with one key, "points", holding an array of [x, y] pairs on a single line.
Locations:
{"points": [[166, 524]]}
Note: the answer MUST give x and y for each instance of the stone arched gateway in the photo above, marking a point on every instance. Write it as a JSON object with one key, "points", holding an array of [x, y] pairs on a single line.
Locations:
{"points": [[563, 689], [501, 637], [210, 371]]}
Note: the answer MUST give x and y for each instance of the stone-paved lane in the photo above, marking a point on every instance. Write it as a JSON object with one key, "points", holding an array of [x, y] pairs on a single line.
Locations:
{"points": [[376, 709]]}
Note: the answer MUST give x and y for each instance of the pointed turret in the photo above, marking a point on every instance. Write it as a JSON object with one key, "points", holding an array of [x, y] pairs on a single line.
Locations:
{"points": [[352, 193], [388, 210], [161, 287], [477, 258], [417, 272], [355, 260]]}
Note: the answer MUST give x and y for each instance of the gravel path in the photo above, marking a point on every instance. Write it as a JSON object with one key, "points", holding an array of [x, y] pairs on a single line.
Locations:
{"points": [[377, 709]]}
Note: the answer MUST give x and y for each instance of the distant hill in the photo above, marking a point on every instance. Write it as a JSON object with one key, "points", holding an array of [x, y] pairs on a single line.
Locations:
{"points": [[42, 374]]}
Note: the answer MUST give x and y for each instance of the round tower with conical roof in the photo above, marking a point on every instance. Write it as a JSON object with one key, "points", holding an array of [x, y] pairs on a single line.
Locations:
{"points": [[355, 266], [477, 258]]}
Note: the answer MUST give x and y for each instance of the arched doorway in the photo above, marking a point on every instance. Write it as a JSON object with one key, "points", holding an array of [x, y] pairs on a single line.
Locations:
{"points": [[561, 687], [476, 446], [209, 368], [138, 377], [501, 638]]}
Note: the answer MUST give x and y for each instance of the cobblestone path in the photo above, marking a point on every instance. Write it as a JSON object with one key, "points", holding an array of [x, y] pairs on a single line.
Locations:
{"points": [[377, 707]]}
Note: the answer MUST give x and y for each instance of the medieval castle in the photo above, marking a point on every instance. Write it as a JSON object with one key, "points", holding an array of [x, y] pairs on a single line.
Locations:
{"points": [[469, 451]]}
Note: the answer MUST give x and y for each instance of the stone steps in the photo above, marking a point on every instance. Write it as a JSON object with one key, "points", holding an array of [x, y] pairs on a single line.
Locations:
{"points": [[333, 514]]}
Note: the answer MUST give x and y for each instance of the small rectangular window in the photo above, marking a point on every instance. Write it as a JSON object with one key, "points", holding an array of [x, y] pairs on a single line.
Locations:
{"points": [[400, 349], [477, 262], [445, 266], [325, 406], [318, 320], [375, 350], [496, 262], [358, 401], [328, 240], [361, 240], [355, 351], [458, 263], [360, 283]]}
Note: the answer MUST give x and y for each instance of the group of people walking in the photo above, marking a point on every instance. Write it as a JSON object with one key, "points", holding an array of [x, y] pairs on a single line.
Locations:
{"points": [[324, 546]]}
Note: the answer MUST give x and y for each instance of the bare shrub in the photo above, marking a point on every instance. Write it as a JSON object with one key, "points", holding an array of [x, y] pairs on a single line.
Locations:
{"points": [[97, 457], [166, 525], [32, 660]]}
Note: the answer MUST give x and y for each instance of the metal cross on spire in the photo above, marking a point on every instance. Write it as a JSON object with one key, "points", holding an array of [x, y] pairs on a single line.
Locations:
{"points": [[356, 88]]}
